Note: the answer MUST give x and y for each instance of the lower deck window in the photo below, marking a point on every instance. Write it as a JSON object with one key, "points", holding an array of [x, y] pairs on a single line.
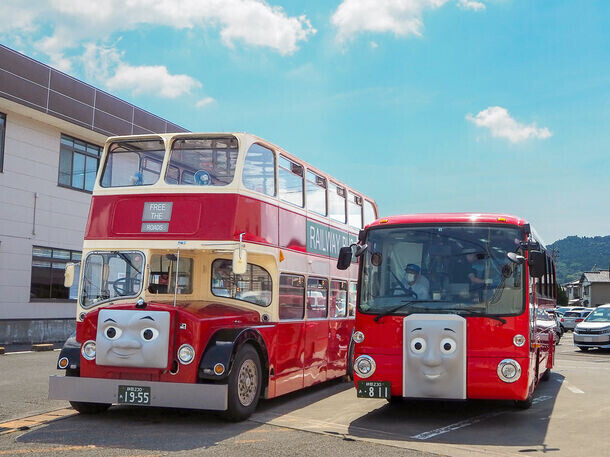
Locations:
{"points": [[292, 297], [168, 275], [254, 286], [317, 298]]}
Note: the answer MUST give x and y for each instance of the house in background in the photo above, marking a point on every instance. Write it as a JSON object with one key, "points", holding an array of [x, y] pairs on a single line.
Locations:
{"points": [[595, 287], [573, 291], [52, 131]]}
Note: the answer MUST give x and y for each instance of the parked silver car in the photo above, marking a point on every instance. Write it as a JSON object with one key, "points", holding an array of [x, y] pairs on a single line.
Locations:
{"points": [[594, 331], [571, 318]]}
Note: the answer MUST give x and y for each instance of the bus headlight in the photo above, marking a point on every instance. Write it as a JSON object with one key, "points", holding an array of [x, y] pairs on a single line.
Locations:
{"points": [[364, 366], [358, 337], [509, 370], [88, 350], [186, 354]]}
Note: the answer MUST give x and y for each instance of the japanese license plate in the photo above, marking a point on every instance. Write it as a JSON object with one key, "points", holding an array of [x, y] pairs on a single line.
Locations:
{"points": [[373, 389], [134, 395]]}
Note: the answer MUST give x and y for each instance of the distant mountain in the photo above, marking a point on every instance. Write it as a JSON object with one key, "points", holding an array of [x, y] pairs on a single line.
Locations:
{"points": [[577, 254]]}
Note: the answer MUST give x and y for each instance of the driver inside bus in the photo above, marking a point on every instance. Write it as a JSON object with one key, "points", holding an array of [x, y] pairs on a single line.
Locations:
{"points": [[418, 286]]}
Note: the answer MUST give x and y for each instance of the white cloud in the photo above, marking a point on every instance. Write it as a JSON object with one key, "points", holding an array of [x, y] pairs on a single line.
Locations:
{"points": [[204, 102], [471, 5], [374, 45], [105, 64], [502, 125], [400, 17]]}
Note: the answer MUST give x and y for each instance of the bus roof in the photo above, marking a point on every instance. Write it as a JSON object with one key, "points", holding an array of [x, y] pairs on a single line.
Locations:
{"points": [[436, 218]]}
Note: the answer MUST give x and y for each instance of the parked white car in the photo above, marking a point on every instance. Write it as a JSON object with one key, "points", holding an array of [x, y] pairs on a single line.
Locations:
{"points": [[571, 318], [594, 331]]}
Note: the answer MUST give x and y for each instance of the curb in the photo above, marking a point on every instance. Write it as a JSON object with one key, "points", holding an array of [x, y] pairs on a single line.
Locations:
{"points": [[1, 350], [42, 347]]}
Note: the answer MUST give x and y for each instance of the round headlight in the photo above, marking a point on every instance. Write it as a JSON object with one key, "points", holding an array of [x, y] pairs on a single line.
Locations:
{"points": [[364, 366], [519, 340], [186, 354], [88, 350], [509, 370], [358, 337]]}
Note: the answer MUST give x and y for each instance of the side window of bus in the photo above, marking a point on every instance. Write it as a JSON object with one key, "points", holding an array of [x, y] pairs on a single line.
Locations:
{"points": [[338, 298], [351, 299], [317, 298], [254, 286], [354, 209], [291, 181], [292, 297], [369, 212], [316, 193], [336, 202], [259, 170], [166, 272]]}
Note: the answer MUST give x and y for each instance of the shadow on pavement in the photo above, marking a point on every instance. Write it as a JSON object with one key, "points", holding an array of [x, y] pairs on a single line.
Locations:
{"points": [[475, 422], [165, 429]]}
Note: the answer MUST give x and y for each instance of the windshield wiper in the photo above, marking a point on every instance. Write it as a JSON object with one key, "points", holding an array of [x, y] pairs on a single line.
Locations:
{"points": [[402, 305], [473, 312]]}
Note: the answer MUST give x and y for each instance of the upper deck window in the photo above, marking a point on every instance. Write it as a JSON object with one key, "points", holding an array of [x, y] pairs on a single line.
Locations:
{"points": [[336, 202], [133, 163], [354, 207], [369, 212], [203, 161], [316, 193], [259, 170], [291, 181]]}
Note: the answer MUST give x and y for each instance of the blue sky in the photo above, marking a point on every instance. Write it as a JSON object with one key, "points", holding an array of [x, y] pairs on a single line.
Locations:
{"points": [[424, 105]]}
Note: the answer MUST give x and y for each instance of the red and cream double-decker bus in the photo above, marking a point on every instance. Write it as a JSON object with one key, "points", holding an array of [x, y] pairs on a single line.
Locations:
{"points": [[447, 308], [208, 276]]}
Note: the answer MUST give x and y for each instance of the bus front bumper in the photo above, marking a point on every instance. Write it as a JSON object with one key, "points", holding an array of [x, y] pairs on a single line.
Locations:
{"points": [[164, 394]]}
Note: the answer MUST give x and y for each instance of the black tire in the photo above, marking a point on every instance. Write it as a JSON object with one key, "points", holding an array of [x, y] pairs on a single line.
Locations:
{"points": [[242, 397], [394, 400], [547, 375], [350, 361], [525, 404], [89, 408], [86, 407], [583, 348]]}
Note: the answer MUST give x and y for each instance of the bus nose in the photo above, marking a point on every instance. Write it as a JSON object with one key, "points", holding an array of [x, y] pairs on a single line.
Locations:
{"points": [[432, 358], [127, 343]]}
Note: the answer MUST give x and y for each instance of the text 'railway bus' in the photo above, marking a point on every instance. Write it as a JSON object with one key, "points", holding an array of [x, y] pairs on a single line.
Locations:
{"points": [[447, 308], [209, 276]]}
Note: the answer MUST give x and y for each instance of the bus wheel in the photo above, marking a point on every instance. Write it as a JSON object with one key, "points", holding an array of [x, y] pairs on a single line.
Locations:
{"points": [[244, 385], [525, 404], [85, 407]]}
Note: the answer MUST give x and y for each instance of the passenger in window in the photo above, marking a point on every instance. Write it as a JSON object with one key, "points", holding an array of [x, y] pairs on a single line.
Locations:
{"points": [[222, 278], [418, 286]]}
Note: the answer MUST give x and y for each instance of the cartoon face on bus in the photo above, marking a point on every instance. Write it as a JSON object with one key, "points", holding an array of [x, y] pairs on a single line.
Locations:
{"points": [[435, 356], [132, 338]]}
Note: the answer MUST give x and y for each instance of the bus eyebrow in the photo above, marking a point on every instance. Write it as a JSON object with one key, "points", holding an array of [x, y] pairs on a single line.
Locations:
{"points": [[418, 328], [449, 330], [147, 317], [110, 320]]}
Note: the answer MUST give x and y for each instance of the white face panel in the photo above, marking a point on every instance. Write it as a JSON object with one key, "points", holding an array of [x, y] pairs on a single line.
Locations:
{"points": [[132, 338], [434, 356]]}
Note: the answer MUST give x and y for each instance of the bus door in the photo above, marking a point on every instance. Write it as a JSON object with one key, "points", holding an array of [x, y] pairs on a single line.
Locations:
{"points": [[340, 329], [290, 334], [316, 332]]}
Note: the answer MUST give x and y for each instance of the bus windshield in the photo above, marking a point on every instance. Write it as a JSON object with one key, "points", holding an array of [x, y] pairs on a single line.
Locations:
{"points": [[457, 268], [133, 163], [110, 275]]}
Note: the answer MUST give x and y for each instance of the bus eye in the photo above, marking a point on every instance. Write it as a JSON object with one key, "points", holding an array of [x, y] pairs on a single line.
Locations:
{"points": [[149, 334], [418, 345], [113, 333], [448, 346]]}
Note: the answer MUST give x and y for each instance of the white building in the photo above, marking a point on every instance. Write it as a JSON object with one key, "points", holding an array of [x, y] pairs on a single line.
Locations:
{"points": [[52, 129]]}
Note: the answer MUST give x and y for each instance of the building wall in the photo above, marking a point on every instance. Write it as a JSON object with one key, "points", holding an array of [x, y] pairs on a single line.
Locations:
{"points": [[35, 211], [600, 293]]}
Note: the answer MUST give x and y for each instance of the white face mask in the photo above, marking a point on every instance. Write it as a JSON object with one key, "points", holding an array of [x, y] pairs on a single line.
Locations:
{"points": [[410, 277]]}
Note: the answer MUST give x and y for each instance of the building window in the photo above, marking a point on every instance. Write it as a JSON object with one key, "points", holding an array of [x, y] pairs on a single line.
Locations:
{"points": [[48, 266], [2, 134], [78, 163]]}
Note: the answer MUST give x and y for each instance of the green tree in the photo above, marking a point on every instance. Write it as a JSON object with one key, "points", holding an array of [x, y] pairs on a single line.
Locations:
{"points": [[562, 297]]}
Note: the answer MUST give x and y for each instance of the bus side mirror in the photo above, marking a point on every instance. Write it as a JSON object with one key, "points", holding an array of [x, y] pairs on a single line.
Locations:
{"points": [[537, 263], [345, 258], [69, 275], [240, 261]]}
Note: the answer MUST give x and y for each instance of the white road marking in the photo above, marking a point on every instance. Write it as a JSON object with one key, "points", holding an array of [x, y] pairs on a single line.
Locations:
{"points": [[468, 422], [570, 387]]}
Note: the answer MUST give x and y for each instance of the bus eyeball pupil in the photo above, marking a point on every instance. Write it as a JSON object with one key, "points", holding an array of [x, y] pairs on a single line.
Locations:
{"points": [[111, 332], [418, 346], [447, 346], [148, 334]]}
